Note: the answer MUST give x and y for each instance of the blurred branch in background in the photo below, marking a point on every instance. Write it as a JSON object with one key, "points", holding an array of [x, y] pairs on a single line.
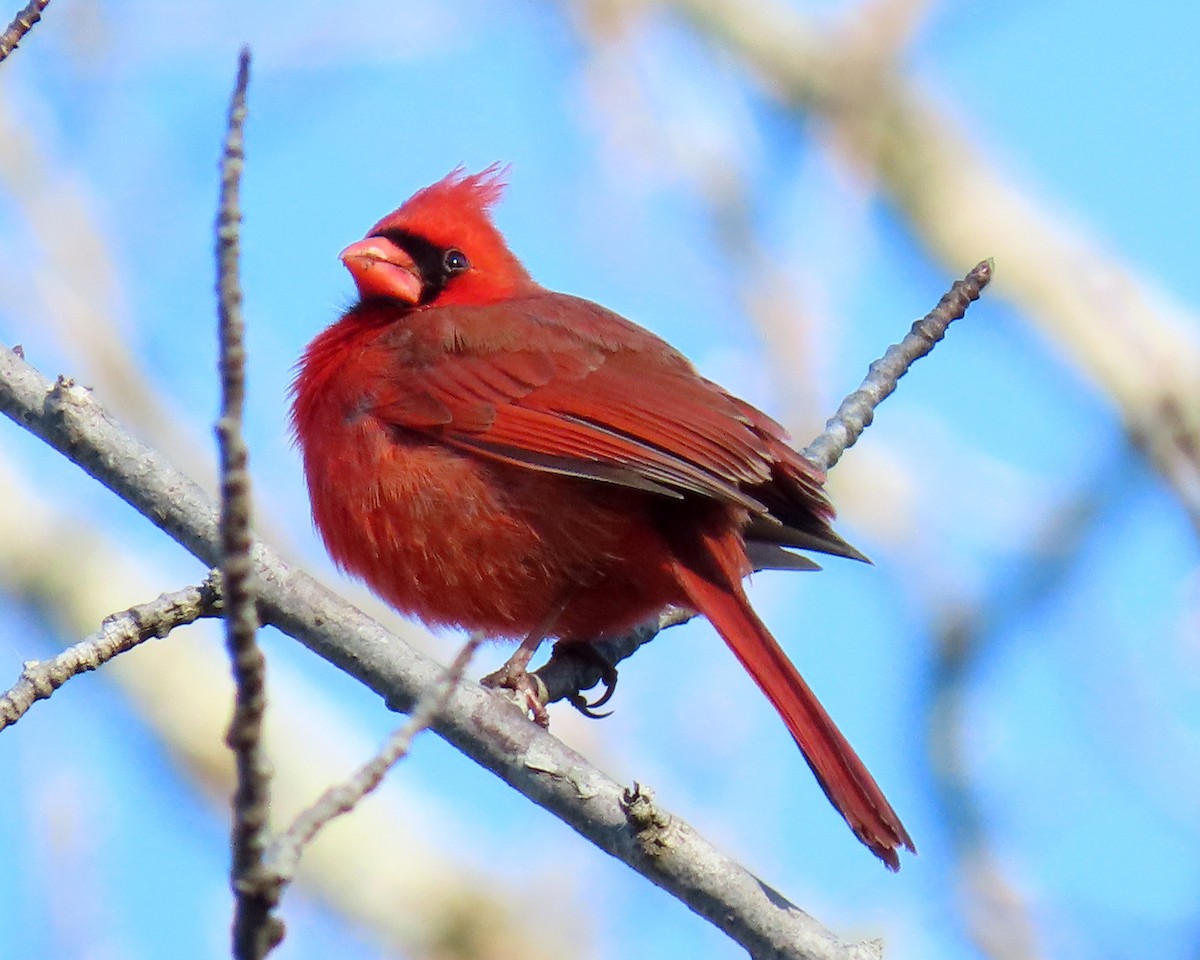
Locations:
{"points": [[996, 914], [781, 293], [1139, 345], [75, 288]]}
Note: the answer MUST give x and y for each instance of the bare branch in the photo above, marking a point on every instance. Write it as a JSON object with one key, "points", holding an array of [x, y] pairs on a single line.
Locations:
{"points": [[284, 854], [480, 724], [255, 930], [21, 24], [119, 633], [858, 410]]}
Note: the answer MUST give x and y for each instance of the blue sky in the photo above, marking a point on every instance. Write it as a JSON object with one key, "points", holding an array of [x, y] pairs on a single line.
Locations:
{"points": [[1081, 717]]}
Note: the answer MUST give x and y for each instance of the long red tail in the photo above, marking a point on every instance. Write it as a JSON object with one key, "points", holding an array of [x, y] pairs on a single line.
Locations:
{"points": [[842, 775]]}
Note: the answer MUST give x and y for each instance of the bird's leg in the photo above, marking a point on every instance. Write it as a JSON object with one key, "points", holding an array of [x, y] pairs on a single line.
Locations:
{"points": [[515, 676]]}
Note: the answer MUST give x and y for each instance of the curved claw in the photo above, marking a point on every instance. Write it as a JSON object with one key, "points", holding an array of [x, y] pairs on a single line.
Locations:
{"points": [[608, 676], [609, 679], [580, 703]]}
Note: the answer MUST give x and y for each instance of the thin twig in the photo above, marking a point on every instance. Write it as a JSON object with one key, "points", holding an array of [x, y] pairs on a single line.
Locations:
{"points": [[284, 854], [255, 930], [476, 722], [21, 24], [858, 410], [119, 633]]}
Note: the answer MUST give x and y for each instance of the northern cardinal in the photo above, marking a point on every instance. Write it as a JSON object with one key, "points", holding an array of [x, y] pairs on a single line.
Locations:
{"points": [[491, 455]]}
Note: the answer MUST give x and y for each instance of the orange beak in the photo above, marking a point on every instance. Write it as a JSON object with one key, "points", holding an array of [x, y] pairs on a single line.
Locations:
{"points": [[382, 269]]}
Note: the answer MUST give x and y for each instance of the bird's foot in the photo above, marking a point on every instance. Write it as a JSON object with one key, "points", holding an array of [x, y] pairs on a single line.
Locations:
{"points": [[608, 677], [528, 692]]}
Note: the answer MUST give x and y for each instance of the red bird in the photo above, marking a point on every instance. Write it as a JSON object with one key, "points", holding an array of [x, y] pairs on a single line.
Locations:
{"points": [[491, 455]]}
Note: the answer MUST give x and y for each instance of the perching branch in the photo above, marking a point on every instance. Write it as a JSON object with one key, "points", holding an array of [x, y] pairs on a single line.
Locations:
{"points": [[119, 633], [21, 24], [475, 721], [255, 930]]}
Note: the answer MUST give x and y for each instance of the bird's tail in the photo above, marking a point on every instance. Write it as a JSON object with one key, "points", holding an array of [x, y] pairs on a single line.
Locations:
{"points": [[842, 775]]}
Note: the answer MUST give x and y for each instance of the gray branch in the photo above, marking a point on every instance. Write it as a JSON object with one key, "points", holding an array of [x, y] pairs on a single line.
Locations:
{"points": [[256, 930], [120, 632], [858, 410], [21, 24]]}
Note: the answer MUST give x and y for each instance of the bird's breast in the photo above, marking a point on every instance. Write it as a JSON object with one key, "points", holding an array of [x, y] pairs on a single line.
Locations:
{"points": [[457, 539]]}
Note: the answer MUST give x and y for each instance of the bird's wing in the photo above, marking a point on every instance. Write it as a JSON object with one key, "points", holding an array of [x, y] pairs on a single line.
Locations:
{"points": [[561, 385]]}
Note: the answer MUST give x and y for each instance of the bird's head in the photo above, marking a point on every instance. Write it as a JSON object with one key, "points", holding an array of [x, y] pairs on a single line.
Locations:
{"points": [[440, 247]]}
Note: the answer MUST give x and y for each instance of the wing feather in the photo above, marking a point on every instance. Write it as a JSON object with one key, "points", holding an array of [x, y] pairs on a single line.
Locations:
{"points": [[559, 384]]}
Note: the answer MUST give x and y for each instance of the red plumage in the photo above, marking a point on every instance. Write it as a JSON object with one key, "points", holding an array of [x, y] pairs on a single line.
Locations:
{"points": [[491, 455]]}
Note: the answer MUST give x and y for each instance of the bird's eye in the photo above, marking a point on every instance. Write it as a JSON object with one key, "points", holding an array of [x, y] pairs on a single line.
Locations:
{"points": [[455, 261]]}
